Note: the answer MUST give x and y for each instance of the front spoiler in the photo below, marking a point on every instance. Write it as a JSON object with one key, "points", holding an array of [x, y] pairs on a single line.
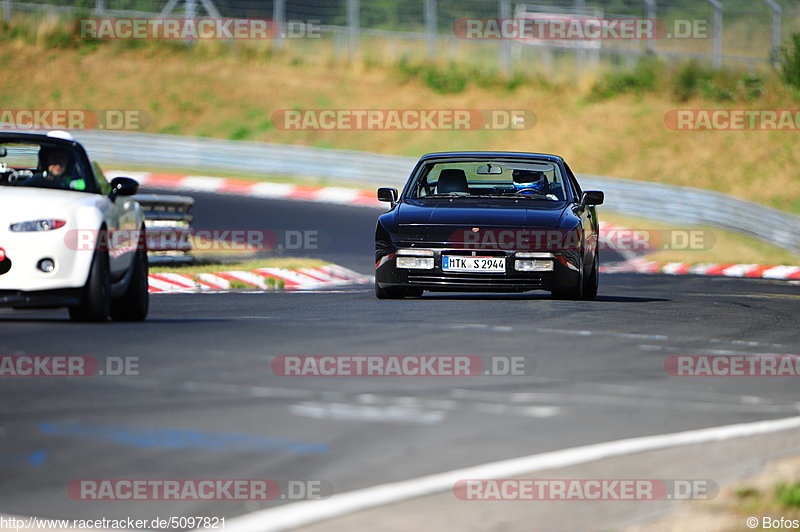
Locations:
{"points": [[67, 297]]}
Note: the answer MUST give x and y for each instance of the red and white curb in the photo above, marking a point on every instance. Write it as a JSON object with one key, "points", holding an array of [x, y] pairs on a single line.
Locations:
{"points": [[753, 271], [322, 278], [256, 189], [636, 262]]}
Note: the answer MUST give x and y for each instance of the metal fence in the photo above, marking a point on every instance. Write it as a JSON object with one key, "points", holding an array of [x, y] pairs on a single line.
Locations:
{"points": [[722, 32], [169, 225], [669, 203]]}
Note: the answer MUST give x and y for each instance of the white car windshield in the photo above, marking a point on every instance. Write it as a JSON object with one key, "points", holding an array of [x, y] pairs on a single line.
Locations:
{"points": [[44, 165]]}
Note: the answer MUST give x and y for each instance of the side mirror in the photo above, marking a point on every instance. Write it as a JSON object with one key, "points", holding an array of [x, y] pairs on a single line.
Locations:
{"points": [[593, 197], [388, 194], [123, 186]]}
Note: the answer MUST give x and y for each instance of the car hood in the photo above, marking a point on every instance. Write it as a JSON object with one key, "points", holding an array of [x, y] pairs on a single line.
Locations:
{"points": [[435, 221], [27, 203]]}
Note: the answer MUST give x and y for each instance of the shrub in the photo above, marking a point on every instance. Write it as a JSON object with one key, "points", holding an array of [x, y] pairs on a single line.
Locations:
{"points": [[644, 76], [688, 79], [788, 495], [789, 62], [449, 80], [693, 79]]}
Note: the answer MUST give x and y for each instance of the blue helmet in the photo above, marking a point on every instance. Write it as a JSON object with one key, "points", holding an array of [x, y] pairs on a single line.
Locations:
{"points": [[529, 181]]}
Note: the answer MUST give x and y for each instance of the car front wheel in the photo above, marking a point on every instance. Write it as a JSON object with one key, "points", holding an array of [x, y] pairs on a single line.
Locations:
{"points": [[592, 282], [133, 305], [573, 292], [95, 302]]}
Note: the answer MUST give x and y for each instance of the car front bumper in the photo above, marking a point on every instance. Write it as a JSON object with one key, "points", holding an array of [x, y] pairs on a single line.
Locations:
{"points": [[565, 274], [24, 251]]}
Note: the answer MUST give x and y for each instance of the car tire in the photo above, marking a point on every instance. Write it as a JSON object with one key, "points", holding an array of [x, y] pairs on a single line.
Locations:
{"points": [[133, 305], [592, 282], [95, 301], [393, 292], [575, 292]]}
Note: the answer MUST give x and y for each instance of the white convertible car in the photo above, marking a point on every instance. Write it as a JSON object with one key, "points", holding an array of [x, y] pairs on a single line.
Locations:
{"points": [[68, 238]]}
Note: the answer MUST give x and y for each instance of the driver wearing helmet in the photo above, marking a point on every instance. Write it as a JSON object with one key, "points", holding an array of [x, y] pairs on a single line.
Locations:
{"points": [[530, 181]]}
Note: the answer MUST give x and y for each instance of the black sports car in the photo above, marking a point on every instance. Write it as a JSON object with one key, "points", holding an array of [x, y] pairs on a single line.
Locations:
{"points": [[488, 221]]}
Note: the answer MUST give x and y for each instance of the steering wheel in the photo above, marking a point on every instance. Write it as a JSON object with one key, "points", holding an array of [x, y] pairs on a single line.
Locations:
{"points": [[15, 176]]}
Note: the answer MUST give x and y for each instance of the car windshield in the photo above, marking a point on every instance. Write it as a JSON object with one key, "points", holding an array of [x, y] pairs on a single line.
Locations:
{"points": [[44, 165], [501, 178]]}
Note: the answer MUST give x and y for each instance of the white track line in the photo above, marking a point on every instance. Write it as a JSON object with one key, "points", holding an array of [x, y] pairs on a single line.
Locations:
{"points": [[294, 515]]}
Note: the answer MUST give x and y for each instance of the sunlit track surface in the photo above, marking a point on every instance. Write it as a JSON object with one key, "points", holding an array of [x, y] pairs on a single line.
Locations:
{"points": [[207, 405]]}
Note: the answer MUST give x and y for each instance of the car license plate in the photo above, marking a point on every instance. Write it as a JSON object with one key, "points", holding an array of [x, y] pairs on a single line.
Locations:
{"points": [[473, 264]]}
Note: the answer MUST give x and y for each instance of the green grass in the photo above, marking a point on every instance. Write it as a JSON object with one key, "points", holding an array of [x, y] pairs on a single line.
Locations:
{"points": [[788, 495]]}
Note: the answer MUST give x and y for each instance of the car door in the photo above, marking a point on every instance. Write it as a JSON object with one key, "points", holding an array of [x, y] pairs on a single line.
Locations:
{"points": [[120, 219]]}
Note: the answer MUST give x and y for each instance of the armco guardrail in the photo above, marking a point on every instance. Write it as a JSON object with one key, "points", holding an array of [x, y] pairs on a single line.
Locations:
{"points": [[669, 203], [168, 223]]}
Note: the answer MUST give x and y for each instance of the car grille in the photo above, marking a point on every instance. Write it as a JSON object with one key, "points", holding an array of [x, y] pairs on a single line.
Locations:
{"points": [[484, 280]]}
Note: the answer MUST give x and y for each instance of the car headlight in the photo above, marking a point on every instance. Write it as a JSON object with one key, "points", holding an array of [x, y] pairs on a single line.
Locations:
{"points": [[534, 265], [417, 263], [417, 259], [37, 225]]}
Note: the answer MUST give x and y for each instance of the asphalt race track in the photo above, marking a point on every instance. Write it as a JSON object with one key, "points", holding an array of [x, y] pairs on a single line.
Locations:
{"points": [[207, 405]]}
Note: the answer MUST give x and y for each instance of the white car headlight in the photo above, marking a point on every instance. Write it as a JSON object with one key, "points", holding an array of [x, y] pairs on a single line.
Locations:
{"points": [[37, 225], [533, 265], [417, 259], [417, 263]]}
